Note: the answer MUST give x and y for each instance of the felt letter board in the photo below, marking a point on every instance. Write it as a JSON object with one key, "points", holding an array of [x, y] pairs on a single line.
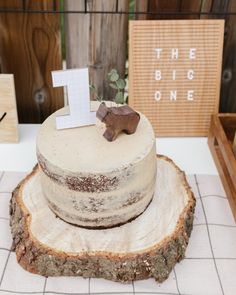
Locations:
{"points": [[174, 73]]}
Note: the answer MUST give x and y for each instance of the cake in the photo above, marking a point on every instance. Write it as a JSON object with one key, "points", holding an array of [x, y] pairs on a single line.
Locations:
{"points": [[90, 182], [65, 214]]}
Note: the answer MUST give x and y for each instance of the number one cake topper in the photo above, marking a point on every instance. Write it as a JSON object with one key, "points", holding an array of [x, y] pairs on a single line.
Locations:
{"points": [[77, 83]]}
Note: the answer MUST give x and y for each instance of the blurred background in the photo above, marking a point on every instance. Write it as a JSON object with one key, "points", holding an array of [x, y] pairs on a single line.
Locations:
{"points": [[38, 36]]}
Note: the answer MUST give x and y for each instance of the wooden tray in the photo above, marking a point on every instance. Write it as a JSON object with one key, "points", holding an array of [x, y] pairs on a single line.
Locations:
{"points": [[220, 141], [149, 246]]}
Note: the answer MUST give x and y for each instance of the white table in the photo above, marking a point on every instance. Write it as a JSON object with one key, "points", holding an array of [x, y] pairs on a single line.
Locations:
{"points": [[192, 155], [210, 263]]}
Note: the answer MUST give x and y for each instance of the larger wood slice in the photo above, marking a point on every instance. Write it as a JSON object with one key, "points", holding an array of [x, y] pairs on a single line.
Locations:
{"points": [[148, 246]]}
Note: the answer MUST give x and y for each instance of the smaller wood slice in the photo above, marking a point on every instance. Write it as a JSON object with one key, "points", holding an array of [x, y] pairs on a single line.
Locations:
{"points": [[149, 246]]}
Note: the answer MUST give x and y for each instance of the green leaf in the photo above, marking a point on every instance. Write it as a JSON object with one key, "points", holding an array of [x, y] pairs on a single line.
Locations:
{"points": [[120, 83], [113, 71], [114, 77], [92, 87], [113, 86], [119, 98]]}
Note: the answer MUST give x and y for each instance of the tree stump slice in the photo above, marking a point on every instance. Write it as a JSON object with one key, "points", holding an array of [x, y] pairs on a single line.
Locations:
{"points": [[148, 246]]}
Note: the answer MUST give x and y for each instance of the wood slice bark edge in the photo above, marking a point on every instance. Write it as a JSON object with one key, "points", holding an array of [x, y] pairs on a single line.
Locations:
{"points": [[156, 261]]}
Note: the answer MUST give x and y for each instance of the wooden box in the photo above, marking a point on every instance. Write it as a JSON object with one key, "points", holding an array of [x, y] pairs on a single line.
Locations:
{"points": [[220, 140]]}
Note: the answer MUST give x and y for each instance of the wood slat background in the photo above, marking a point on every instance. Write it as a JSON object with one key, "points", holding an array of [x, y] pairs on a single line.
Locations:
{"points": [[30, 46], [97, 41], [181, 117]]}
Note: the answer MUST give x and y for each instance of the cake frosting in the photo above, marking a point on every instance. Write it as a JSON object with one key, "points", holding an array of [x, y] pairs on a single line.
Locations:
{"points": [[91, 182]]}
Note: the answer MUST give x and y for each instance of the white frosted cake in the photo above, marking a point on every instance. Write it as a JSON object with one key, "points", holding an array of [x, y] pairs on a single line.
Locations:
{"points": [[90, 182]]}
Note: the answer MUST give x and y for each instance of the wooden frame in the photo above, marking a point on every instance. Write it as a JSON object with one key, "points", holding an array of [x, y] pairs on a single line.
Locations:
{"points": [[8, 112], [220, 141]]}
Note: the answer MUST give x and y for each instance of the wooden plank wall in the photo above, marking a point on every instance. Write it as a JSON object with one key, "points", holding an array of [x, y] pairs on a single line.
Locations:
{"points": [[169, 7], [30, 48], [228, 82], [97, 41], [228, 85]]}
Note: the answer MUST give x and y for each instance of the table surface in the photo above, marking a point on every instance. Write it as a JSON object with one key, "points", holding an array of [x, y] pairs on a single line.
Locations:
{"points": [[192, 155], [208, 268], [210, 262]]}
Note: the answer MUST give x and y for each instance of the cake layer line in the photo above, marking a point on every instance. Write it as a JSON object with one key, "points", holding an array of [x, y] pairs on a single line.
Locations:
{"points": [[97, 182], [89, 183], [92, 224]]}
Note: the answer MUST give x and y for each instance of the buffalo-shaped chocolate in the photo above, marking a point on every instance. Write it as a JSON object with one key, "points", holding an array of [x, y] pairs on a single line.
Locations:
{"points": [[117, 120]]}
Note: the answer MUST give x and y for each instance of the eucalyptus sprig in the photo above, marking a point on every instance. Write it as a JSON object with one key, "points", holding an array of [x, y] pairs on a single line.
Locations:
{"points": [[93, 89], [116, 83]]}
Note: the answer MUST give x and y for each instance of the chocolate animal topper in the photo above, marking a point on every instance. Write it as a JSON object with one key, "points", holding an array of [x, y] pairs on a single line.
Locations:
{"points": [[117, 119]]}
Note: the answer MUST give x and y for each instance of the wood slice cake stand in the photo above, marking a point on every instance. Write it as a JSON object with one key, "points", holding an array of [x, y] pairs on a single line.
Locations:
{"points": [[148, 246]]}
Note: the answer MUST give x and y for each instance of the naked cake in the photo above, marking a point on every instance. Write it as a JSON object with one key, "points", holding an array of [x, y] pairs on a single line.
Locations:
{"points": [[93, 183], [97, 184]]}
